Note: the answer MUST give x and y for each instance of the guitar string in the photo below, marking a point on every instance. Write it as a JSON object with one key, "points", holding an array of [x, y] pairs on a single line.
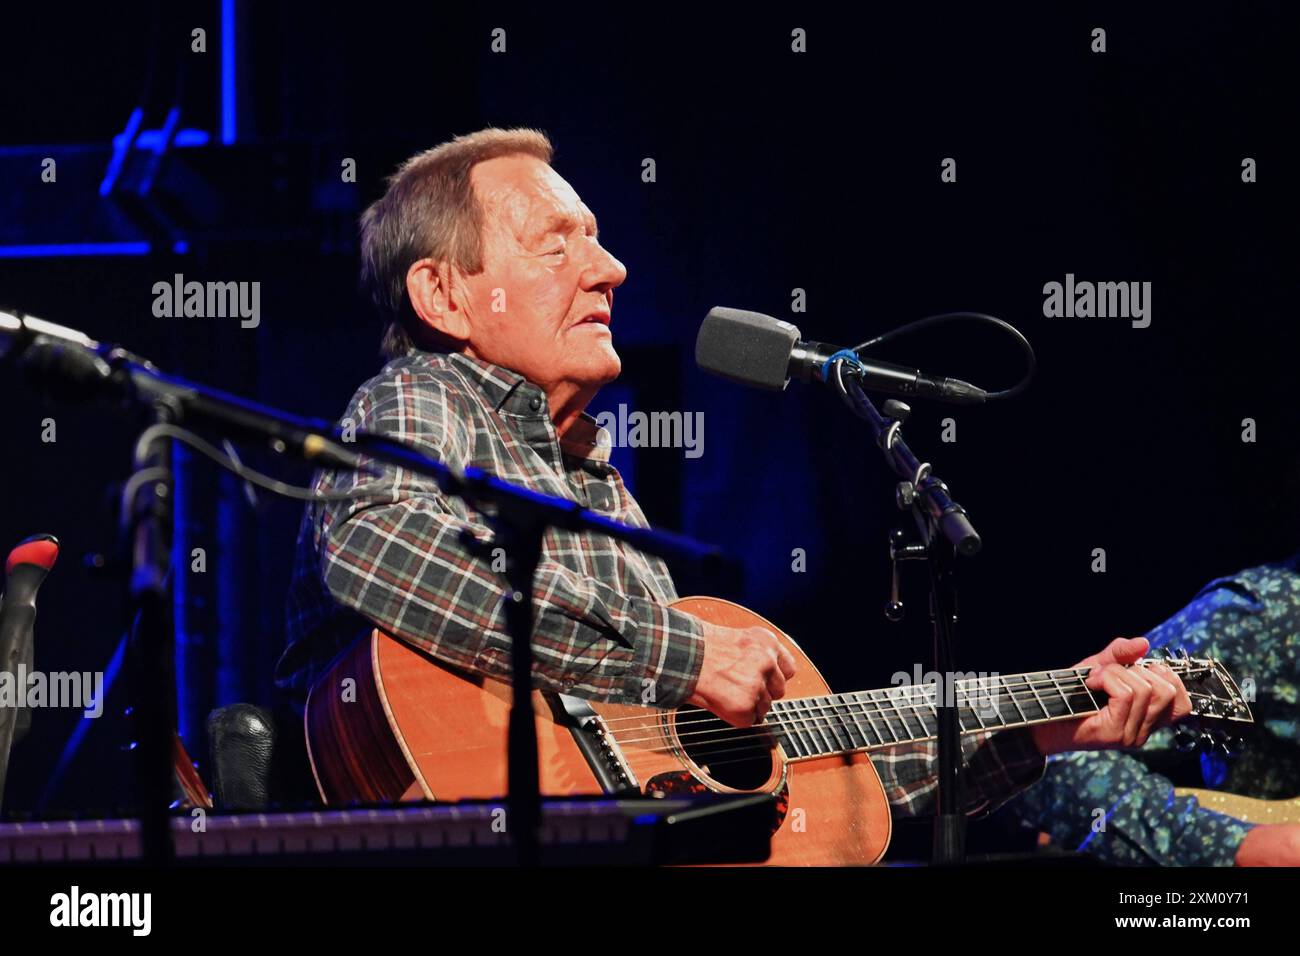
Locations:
{"points": [[918, 692], [791, 713], [641, 755], [789, 721], [789, 708], [878, 705], [806, 723], [838, 703], [790, 716], [645, 756]]}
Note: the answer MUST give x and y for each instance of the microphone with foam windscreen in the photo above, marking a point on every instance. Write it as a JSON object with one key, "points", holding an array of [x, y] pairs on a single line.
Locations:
{"points": [[755, 349], [25, 570]]}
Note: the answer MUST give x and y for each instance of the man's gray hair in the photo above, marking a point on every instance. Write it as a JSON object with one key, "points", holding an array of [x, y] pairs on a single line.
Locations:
{"points": [[430, 211]]}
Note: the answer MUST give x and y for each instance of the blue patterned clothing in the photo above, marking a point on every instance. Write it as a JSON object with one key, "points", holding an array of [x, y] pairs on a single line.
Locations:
{"points": [[1116, 805]]}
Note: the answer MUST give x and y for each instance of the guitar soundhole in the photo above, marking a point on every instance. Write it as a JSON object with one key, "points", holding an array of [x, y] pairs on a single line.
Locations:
{"points": [[738, 757]]}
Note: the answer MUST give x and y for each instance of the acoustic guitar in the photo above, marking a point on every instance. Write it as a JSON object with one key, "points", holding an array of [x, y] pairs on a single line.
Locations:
{"points": [[388, 723]]}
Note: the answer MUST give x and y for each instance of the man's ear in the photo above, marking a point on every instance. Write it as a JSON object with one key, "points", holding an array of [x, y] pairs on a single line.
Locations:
{"points": [[429, 287]]}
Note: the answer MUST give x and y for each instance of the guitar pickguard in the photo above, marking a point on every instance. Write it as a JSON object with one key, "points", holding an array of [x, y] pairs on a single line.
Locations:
{"points": [[677, 782]]}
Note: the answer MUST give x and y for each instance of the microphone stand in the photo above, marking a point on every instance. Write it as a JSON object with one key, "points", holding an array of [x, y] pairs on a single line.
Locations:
{"points": [[147, 520], [945, 533], [86, 369]]}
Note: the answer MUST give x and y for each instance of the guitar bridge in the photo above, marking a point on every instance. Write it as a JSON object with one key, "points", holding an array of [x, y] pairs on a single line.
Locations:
{"points": [[597, 744]]}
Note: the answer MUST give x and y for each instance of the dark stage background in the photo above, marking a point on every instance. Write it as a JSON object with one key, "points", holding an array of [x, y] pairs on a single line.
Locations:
{"points": [[775, 171]]}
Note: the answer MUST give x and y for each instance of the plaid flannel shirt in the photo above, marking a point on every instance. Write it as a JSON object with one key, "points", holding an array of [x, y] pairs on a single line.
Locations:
{"points": [[393, 557]]}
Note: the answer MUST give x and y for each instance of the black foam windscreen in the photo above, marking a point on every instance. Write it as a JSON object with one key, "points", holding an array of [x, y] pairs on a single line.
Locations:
{"points": [[746, 347]]}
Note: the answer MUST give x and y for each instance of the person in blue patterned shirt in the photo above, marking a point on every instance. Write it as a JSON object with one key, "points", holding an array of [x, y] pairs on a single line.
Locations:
{"points": [[1118, 807]]}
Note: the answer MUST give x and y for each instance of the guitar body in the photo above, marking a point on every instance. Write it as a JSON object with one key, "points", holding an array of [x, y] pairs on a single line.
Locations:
{"points": [[418, 729]]}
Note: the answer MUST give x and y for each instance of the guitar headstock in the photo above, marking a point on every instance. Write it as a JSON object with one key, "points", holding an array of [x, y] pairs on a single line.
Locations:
{"points": [[1215, 697], [1214, 693]]}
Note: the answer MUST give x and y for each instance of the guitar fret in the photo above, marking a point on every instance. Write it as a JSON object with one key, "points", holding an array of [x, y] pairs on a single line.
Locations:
{"points": [[883, 716], [886, 707], [1083, 678], [913, 697], [920, 695], [898, 697], [831, 719], [857, 739], [962, 711], [827, 725], [1060, 692], [969, 707], [902, 697], [844, 714], [867, 706], [1012, 694], [986, 704], [995, 696], [1033, 689], [927, 701], [807, 734], [814, 725], [782, 711]]}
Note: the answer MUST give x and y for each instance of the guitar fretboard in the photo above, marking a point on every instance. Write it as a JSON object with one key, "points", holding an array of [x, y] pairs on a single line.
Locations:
{"points": [[863, 720]]}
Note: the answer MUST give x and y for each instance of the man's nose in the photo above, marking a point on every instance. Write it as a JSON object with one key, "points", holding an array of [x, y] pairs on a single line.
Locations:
{"points": [[604, 272]]}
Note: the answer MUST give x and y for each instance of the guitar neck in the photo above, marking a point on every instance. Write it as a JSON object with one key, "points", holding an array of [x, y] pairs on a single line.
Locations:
{"points": [[869, 719]]}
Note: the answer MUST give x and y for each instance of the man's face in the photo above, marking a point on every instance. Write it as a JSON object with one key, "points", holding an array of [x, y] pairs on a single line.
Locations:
{"points": [[542, 304]]}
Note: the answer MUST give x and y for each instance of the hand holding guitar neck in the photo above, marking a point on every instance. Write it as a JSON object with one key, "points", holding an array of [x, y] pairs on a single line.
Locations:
{"points": [[1139, 699]]}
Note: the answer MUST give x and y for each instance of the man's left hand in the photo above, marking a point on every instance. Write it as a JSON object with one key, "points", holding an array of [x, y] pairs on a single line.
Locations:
{"points": [[1140, 699]]}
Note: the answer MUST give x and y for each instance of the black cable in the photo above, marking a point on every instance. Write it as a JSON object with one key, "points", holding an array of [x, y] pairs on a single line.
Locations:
{"points": [[239, 469], [940, 319]]}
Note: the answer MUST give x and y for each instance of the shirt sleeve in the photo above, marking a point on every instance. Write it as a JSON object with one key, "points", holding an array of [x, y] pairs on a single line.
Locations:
{"points": [[1111, 806], [995, 766], [399, 553]]}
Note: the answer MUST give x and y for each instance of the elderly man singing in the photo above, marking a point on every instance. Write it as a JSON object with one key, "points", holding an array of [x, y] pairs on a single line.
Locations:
{"points": [[499, 297]]}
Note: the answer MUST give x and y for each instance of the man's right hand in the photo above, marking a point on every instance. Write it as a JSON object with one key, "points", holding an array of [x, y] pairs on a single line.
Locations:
{"points": [[744, 670]]}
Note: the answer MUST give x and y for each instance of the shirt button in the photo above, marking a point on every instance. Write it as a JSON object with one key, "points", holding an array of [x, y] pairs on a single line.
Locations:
{"points": [[535, 403]]}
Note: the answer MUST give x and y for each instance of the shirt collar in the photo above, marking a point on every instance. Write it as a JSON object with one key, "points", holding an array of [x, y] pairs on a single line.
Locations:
{"points": [[507, 391], [513, 394]]}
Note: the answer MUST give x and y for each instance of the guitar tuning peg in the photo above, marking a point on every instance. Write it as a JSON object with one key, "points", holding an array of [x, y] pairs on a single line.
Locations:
{"points": [[1228, 745], [1182, 652], [1186, 739]]}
